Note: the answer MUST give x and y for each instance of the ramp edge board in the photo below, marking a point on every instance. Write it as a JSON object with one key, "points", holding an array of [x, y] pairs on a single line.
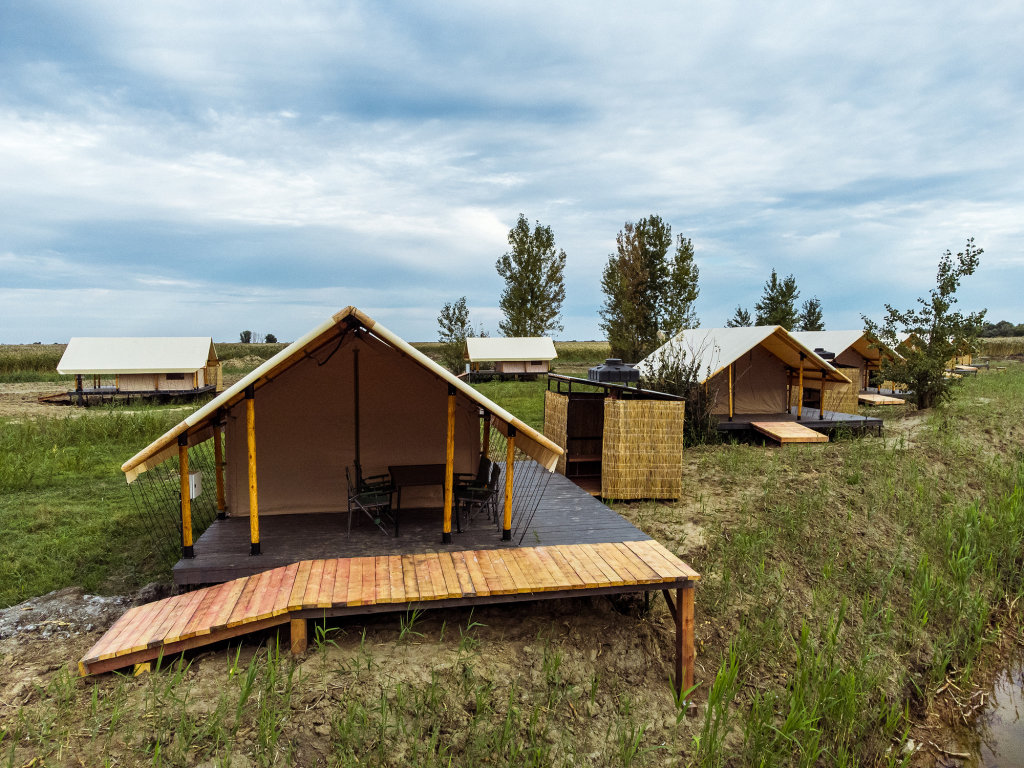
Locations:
{"points": [[444, 579], [869, 399], [788, 432]]}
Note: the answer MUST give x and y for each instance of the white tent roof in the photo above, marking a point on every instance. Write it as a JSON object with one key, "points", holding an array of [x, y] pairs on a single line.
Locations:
{"points": [[488, 349], [180, 354], [716, 348], [838, 342]]}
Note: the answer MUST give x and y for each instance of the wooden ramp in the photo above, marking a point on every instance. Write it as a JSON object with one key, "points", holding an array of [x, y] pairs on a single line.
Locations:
{"points": [[788, 432], [869, 399], [315, 589]]}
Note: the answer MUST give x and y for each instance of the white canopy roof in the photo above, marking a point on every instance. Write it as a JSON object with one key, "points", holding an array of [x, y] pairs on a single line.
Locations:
{"points": [[715, 348], [159, 354], [838, 342], [516, 348]]}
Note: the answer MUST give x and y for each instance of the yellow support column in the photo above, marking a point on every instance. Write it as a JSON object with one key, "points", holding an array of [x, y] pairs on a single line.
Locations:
{"points": [[449, 468], [800, 390], [506, 524], [730, 392], [218, 462], [186, 497], [250, 434]]}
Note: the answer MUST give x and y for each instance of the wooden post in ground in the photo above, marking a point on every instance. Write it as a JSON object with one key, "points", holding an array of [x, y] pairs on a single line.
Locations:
{"points": [[449, 469], [218, 462], [800, 390], [298, 636], [186, 497], [250, 435], [821, 395], [684, 598], [510, 456]]}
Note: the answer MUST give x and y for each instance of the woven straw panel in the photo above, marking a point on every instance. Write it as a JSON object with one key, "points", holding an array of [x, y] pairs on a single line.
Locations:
{"points": [[642, 456], [556, 412]]}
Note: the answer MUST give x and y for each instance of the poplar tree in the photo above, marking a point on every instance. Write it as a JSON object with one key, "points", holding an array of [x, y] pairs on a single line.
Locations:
{"points": [[534, 281]]}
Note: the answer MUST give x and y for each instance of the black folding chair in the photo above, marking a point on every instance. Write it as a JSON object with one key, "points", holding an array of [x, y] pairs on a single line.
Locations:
{"points": [[372, 496], [473, 495]]}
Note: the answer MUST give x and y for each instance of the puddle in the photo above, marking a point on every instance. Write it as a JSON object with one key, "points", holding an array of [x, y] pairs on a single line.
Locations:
{"points": [[1000, 728]]}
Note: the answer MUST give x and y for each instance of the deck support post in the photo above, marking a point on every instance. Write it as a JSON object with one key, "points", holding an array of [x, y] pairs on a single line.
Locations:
{"points": [[449, 468], [730, 392], [800, 390], [821, 396], [510, 456], [218, 463], [186, 497], [298, 636], [250, 434], [681, 611]]}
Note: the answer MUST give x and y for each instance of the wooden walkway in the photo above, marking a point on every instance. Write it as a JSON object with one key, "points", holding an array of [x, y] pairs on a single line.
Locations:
{"points": [[868, 398], [828, 422], [359, 585], [788, 432]]}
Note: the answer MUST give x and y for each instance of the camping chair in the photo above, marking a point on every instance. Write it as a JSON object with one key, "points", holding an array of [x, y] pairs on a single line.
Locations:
{"points": [[371, 495], [474, 495]]}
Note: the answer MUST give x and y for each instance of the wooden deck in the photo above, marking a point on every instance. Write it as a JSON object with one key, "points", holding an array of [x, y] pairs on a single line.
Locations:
{"points": [[565, 514], [789, 432], [827, 422], [867, 398], [360, 585]]}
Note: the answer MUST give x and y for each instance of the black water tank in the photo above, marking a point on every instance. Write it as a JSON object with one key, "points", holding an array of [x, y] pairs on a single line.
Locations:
{"points": [[613, 370], [824, 354]]}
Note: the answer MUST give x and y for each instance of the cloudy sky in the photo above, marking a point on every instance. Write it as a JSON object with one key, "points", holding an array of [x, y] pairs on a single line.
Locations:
{"points": [[202, 168]]}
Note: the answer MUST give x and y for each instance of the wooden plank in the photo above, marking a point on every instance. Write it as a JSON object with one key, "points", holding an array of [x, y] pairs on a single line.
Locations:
{"points": [[299, 586], [409, 580], [612, 578], [183, 616], [126, 632], [284, 591], [326, 596], [227, 605], [451, 578], [525, 583], [666, 570], [312, 594], [264, 607], [199, 624], [382, 580], [640, 569], [259, 586], [355, 581], [691, 574], [106, 639], [436, 576], [613, 557], [396, 578], [583, 568], [463, 574], [341, 578], [535, 569], [566, 568], [503, 579], [871, 399], [423, 582], [476, 573], [561, 580], [156, 625], [487, 570], [788, 432]]}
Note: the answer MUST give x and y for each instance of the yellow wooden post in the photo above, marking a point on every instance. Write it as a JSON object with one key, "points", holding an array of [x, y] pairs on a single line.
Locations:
{"points": [[195, 379], [730, 391], [800, 390], [510, 455], [186, 497], [250, 433], [821, 395], [218, 462], [449, 469], [684, 609]]}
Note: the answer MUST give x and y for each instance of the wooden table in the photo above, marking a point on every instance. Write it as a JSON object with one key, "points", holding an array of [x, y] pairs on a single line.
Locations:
{"points": [[403, 475]]}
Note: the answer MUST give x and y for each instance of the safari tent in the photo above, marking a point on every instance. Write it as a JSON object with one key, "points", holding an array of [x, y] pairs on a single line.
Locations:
{"points": [[348, 398], [142, 365], [747, 371], [852, 352], [510, 355]]}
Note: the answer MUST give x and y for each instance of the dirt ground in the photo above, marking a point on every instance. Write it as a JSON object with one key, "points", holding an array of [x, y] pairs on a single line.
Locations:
{"points": [[21, 400]]}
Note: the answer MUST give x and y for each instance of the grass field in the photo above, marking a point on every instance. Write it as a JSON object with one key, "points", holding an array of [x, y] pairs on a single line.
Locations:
{"points": [[843, 586]]}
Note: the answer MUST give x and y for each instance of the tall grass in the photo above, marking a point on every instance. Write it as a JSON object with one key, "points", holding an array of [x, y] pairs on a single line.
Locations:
{"points": [[40, 358], [1001, 346]]}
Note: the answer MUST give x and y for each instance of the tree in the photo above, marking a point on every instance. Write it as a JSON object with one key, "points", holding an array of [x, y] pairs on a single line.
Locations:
{"points": [[739, 319], [647, 293], [453, 327], [534, 283], [810, 318], [937, 334], [271, 339], [778, 302], [245, 337]]}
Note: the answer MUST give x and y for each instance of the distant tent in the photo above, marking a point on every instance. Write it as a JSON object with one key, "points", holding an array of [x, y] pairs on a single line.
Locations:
{"points": [[520, 354], [855, 354], [129, 365], [748, 370]]}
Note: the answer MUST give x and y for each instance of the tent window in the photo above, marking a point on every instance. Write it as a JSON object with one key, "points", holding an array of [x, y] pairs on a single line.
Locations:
{"points": [[175, 376]]}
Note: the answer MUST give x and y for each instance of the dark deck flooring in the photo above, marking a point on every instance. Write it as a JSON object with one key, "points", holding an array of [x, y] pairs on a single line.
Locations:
{"points": [[566, 514], [827, 421]]}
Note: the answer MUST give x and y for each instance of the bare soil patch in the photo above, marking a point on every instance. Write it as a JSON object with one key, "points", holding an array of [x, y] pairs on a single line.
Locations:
{"points": [[21, 399]]}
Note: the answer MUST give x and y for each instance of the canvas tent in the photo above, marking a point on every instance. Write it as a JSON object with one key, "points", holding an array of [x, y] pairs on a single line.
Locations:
{"points": [[512, 354], [747, 370], [855, 354], [143, 364], [349, 391]]}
